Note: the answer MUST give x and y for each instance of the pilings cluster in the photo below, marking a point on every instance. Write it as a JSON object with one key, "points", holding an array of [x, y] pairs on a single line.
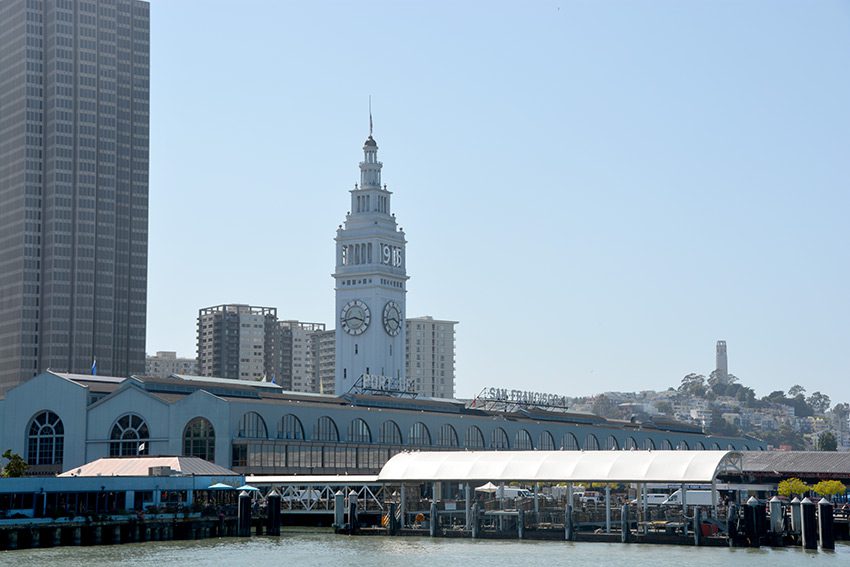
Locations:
{"points": [[756, 523], [135, 529]]}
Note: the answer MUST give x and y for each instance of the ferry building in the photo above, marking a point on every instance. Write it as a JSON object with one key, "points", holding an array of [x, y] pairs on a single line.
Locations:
{"points": [[59, 421]]}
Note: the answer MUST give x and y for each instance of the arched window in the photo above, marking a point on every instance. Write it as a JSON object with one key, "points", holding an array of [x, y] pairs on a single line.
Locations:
{"points": [[569, 442], [46, 439], [746, 448], [290, 428], [199, 439], [448, 436], [649, 444], [730, 447], [591, 443], [129, 436], [522, 441], [326, 430], [390, 433], [252, 426], [358, 431], [419, 434], [666, 445], [631, 444], [699, 446], [715, 446], [683, 446], [499, 439], [612, 444], [545, 442], [474, 438]]}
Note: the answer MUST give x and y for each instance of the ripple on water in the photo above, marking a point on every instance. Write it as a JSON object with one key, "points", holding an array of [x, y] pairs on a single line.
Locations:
{"points": [[298, 548]]}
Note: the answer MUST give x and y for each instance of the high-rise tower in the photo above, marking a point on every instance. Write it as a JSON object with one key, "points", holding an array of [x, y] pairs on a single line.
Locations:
{"points": [[371, 284], [74, 92], [721, 362]]}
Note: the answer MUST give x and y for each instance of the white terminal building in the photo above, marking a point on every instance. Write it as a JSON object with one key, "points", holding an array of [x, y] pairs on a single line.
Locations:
{"points": [[234, 418]]}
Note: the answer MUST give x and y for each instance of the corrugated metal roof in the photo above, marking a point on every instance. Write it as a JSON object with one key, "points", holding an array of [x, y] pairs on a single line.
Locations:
{"points": [[89, 377], [797, 462], [139, 466], [558, 466]]}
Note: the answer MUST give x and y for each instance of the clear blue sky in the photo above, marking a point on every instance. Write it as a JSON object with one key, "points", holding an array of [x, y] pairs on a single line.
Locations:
{"points": [[597, 191]]}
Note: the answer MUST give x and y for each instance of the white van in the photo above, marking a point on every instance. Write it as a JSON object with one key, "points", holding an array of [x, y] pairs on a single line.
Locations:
{"points": [[693, 498], [513, 492], [652, 499]]}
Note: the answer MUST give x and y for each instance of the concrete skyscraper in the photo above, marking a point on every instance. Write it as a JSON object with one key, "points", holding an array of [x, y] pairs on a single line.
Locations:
{"points": [[74, 92]]}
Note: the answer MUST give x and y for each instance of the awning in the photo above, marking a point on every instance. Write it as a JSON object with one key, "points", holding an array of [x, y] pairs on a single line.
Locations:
{"points": [[561, 466]]}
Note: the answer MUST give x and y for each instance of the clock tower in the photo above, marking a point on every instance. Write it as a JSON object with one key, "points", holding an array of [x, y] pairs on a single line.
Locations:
{"points": [[371, 278]]}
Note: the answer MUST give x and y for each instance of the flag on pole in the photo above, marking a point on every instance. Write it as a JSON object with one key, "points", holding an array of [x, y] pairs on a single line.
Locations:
{"points": [[94, 367], [141, 448]]}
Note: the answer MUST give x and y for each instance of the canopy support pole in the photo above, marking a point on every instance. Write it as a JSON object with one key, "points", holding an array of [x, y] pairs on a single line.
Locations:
{"points": [[714, 497], [467, 497], [402, 505]]}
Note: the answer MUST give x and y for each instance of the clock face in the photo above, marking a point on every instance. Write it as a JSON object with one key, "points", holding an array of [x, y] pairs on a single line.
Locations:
{"points": [[355, 317], [392, 318]]}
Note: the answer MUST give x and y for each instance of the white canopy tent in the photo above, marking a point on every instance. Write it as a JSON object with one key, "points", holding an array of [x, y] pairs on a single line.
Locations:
{"points": [[640, 467], [690, 467]]}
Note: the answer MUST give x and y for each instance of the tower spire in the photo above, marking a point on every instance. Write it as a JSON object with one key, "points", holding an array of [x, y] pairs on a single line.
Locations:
{"points": [[370, 116]]}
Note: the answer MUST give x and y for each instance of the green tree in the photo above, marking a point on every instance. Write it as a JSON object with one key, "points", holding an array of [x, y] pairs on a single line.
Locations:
{"points": [[693, 385], [785, 436], [792, 487], [795, 391], [15, 467], [827, 442], [819, 402], [829, 488]]}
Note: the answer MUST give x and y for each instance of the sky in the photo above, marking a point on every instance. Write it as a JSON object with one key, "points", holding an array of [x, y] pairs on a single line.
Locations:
{"points": [[596, 190]]}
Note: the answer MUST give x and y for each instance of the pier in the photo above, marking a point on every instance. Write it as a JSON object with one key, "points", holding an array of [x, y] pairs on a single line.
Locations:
{"points": [[436, 494]]}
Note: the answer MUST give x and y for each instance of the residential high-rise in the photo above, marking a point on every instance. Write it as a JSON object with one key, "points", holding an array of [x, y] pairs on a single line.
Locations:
{"points": [[74, 92], [324, 361], [721, 362], [371, 279], [298, 359], [430, 356], [240, 342], [166, 363]]}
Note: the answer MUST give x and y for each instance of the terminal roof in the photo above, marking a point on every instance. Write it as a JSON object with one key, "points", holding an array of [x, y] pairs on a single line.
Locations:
{"points": [[140, 466]]}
